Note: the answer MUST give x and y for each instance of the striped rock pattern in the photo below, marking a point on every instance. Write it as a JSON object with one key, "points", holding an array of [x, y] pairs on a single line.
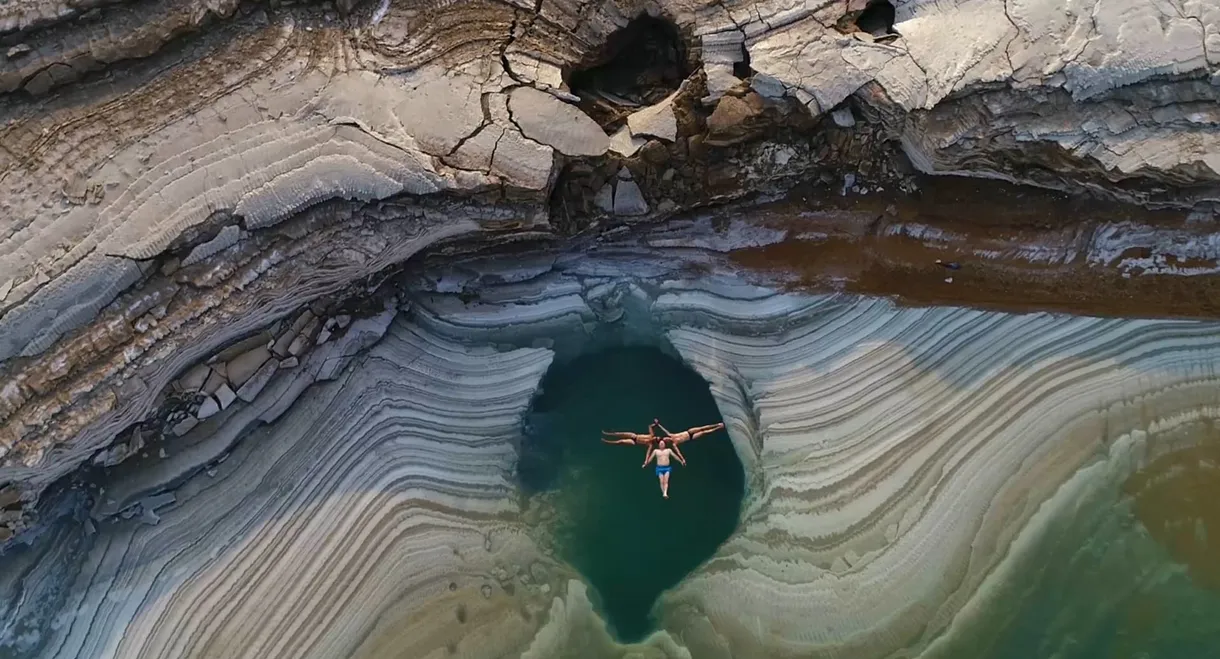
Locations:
{"points": [[897, 461], [266, 148], [322, 535], [895, 456]]}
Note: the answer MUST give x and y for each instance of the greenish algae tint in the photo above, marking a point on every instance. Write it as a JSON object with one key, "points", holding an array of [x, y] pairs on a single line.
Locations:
{"points": [[612, 524]]}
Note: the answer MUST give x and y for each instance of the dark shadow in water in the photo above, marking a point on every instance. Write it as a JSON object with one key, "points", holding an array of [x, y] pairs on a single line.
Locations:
{"points": [[614, 527]]}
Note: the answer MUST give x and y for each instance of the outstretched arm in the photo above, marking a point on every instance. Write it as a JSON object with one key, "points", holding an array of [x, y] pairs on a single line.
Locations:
{"points": [[664, 429], [678, 454], [619, 435], [648, 456]]}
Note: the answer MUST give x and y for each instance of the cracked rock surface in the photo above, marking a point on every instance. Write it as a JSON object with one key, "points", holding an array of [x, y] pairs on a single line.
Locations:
{"points": [[204, 208]]}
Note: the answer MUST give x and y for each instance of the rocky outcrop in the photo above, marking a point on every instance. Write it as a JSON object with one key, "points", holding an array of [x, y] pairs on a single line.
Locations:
{"points": [[194, 195], [193, 184], [922, 449]]}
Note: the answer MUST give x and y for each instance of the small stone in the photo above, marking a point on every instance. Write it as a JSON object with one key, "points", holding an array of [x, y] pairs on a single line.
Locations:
{"points": [[669, 175], [161, 453], [624, 174], [242, 367], [629, 199], [323, 337], [225, 396], [843, 117], [251, 389], [948, 280], [298, 345], [486, 591], [301, 321], [241, 347], [291, 362], [215, 381], [184, 426], [195, 378], [343, 320], [546, 588], [150, 518], [657, 121], [625, 144], [18, 50], [730, 113], [280, 347], [655, 153], [211, 473], [207, 408], [8, 496]]}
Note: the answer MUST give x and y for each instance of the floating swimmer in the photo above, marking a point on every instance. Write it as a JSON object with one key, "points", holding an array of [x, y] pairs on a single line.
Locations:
{"points": [[688, 434], [662, 453]]}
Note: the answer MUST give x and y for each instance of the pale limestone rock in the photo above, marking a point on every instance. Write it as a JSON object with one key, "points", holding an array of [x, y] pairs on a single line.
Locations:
{"points": [[624, 143], [282, 122], [208, 408], [195, 378], [251, 389], [548, 120], [225, 396], [629, 199], [242, 367], [656, 121]]}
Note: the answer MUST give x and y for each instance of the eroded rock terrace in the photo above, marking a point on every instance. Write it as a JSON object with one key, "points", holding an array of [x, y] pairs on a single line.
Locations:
{"points": [[205, 208]]}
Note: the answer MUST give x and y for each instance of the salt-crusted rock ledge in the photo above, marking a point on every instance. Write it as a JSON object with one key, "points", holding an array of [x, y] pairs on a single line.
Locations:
{"points": [[894, 456], [162, 200]]}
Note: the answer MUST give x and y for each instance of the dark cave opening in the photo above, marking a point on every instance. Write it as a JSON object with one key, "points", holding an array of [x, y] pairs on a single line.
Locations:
{"points": [[639, 65], [611, 522], [743, 69], [877, 18]]}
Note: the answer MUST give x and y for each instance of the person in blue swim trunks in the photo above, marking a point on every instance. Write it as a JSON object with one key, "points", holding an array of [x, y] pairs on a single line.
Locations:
{"points": [[662, 454]]}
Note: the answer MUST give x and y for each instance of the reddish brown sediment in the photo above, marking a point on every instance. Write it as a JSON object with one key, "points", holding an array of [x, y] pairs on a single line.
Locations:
{"points": [[1019, 249]]}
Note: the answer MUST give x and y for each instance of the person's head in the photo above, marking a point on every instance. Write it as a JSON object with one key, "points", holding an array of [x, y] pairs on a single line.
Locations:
{"points": [[661, 444]]}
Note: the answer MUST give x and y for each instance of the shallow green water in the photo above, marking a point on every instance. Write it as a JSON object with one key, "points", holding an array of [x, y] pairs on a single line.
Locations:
{"points": [[614, 527], [1101, 585]]}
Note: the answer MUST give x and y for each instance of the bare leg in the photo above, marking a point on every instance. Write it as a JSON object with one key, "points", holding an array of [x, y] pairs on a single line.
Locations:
{"points": [[696, 433], [625, 442], [665, 485]]}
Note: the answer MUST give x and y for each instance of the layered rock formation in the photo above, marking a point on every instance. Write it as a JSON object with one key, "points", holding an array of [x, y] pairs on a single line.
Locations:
{"points": [[897, 460], [201, 203]]}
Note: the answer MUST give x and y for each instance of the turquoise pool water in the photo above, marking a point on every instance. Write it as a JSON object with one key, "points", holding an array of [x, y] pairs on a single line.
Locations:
{"points": [[613, 525]]}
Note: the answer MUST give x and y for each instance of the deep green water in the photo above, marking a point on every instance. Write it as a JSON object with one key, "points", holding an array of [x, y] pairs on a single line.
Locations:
{"points": [[628, 542]]}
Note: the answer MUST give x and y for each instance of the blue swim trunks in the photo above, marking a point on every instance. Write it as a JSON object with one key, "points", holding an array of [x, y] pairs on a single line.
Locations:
{"points": [[662, 469]]}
